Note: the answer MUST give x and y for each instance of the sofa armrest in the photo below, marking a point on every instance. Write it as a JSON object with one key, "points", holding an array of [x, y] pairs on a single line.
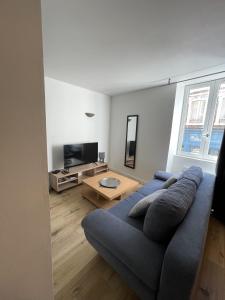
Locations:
{"points": [[162, 175], [128, 244]]}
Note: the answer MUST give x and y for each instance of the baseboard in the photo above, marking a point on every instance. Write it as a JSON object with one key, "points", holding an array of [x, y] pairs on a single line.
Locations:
{"points": [[142, 181]]}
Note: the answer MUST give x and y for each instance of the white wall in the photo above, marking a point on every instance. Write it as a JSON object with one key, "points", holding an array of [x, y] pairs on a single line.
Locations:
{"points": [[155, 109], [181, 162], [67, 123], [25, 251]]}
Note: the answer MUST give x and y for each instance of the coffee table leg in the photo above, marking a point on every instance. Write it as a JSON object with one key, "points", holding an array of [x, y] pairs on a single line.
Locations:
{"points": [[97, 199]]}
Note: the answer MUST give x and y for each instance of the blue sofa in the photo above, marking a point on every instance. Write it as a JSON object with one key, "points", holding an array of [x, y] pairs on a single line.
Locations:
{"points": [[153, 270]]}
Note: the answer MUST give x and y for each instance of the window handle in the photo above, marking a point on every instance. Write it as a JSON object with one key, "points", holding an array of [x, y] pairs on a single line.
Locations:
{"points": [[206, 134]]}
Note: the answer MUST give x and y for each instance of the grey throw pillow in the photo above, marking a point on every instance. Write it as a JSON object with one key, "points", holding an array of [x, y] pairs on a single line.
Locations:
{"points": [[169, 182], [141, 207], [168, 210]]}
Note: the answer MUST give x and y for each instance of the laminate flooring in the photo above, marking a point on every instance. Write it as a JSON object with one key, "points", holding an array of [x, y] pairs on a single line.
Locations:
{"points": [[79, 273]]}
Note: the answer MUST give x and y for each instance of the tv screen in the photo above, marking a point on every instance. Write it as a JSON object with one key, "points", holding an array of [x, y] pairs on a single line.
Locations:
{"points": [[79, 154]]}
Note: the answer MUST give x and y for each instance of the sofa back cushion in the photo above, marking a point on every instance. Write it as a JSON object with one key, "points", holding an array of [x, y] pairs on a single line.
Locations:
{"points": [[184, 251], [168, 210], [194, 174]]}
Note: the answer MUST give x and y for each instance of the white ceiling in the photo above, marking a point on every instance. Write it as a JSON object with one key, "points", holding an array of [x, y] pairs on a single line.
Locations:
{"points": [[115, 46]]}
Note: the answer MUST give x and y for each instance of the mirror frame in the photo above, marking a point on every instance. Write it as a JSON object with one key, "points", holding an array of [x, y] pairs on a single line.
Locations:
{"points": [[132, 167]]}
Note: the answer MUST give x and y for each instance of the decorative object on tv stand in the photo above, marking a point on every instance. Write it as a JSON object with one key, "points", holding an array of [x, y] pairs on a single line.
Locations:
{"points": [[89, 115], [101, 156]]}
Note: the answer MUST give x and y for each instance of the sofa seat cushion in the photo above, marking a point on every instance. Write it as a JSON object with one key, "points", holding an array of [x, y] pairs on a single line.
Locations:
{"points": [[151, 187], [169, 210], [121, 210], [141, 207]]}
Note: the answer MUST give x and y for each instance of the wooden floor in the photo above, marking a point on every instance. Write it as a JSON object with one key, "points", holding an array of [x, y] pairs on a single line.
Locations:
{"points": [[79, 273], [212, 276]]}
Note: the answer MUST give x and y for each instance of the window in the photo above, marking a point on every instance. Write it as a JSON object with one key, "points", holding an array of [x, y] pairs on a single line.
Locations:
{"points": [[203, 120]]}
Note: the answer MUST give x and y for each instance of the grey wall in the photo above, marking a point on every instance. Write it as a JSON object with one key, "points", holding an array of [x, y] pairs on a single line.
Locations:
{"points": [[25, 251], [155, 109]]}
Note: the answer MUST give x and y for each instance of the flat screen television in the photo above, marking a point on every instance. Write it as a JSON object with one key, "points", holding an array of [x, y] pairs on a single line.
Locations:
{"points": [[79, 154]]}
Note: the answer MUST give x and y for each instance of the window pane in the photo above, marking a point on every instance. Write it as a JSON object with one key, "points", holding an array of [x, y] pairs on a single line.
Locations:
{"points": [[194, 125], [219, 123]]}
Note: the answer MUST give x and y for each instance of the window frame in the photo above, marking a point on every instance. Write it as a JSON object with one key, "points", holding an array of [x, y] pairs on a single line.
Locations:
{"points": [[211, 107]]}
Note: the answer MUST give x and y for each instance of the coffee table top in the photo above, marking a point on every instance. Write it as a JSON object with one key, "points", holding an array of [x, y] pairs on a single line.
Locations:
{"points": [[126, 184]]}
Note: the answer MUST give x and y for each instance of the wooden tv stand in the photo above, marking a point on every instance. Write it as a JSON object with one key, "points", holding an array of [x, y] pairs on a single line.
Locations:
{"points": [[60, 181]]}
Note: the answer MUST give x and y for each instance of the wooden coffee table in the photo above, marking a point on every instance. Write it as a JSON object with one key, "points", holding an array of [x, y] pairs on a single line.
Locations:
{"points": [[103, 197]]}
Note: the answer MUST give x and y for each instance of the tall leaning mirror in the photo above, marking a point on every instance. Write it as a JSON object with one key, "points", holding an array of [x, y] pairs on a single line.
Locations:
{"points": [[131, 141]]}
